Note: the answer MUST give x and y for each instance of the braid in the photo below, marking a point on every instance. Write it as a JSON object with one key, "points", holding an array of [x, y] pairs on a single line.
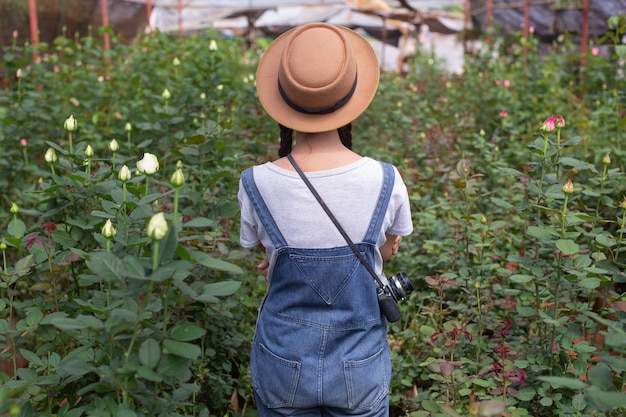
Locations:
{"points": [[286, 141], [345, 134], [286, 138]]}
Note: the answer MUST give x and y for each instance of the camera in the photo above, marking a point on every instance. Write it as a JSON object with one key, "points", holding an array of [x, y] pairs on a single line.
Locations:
{"points": [[398, 288]]}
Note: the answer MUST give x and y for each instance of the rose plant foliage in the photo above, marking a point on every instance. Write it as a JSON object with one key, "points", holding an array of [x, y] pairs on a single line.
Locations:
{"points": [[123, 290]]}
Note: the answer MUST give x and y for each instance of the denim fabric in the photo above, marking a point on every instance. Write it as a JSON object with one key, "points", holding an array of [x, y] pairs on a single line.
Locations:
{"points": [[320, 346]]}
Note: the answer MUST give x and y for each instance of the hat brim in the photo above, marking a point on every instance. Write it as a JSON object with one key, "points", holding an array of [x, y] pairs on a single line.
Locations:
{"points": [[271, 100]]}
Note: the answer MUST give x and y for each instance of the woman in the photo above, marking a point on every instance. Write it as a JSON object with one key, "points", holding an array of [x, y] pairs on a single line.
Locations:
{"points": [[320, 344]]}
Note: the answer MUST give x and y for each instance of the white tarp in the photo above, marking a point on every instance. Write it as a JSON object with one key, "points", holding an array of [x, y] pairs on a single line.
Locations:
{"points": [[249, 17]]}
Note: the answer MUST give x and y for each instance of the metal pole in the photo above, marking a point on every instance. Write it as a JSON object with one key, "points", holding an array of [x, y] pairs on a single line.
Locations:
{"points": [[34, 27]]}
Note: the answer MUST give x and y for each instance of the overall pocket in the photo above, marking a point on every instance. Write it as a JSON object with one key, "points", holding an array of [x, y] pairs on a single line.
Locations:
{"points": [[367, 380], [274, 379]]}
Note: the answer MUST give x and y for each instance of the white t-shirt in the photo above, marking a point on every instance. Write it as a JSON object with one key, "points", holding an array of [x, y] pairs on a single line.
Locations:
{"points": [[351, 192]]}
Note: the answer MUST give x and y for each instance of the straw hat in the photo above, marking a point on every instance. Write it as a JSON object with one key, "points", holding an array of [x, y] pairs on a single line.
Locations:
{"points": [[317, 77]]}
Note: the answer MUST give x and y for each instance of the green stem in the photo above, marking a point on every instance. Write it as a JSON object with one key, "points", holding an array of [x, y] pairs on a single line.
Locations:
{"points": [[155, 256], [17, 230], [175, 207], [480, 326], [602, 180], [147, 179], [88, 171], [69, 134], [558, 155]]}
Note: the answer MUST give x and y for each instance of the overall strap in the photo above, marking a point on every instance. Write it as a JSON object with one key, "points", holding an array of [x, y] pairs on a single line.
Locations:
{"points": [[381, 206], [247, 178]]}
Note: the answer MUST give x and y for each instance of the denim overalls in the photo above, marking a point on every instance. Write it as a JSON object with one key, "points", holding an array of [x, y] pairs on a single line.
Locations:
{"points": [[320, 341]]}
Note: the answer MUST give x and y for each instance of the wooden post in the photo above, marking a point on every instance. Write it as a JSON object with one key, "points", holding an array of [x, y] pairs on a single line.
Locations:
{"points": [[466, 24], [526, 17], [489, 18], [148, 13], [584, 36], [104, 4], [34, 27], [180, 18], [584, 40]]}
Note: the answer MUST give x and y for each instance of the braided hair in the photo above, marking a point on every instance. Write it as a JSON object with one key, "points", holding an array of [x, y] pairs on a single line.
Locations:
{"points": [[286, 138]]}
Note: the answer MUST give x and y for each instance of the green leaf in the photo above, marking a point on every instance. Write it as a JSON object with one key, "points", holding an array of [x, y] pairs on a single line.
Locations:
{"points": [[13, 225], [564, 382], [512, 171], [220, 289], [150, 353], [589, 283], [574, 163], [215, 263], [200, 222], [132, 268], [186, 332], [106, 265], [606, 240], [147, 373], [175, 366], [606, 401], [22, 267], [76, 367], [600, 376], [521, 279], [567, 246], [32, 358], [182, 349], [526, 311], [501, 203], [539, 232], [481, 382], [546, 401]]}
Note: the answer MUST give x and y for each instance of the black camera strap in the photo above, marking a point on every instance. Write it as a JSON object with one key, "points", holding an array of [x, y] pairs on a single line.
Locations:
{"points": [[356, 251]]}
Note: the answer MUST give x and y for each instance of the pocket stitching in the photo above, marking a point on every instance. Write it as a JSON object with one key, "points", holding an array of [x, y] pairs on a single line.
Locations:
{"points": [[294, 365], [360, 364]]}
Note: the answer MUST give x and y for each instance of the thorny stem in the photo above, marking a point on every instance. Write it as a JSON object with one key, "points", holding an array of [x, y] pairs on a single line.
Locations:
{"points": [[602, 180]]}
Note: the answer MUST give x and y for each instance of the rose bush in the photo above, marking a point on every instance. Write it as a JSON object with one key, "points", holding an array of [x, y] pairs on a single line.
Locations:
{"points": [[126, 294]]}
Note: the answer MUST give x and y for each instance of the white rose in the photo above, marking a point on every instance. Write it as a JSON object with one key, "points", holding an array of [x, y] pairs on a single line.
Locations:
{"points": [[124, 174], [157, 226], [148, 165]]}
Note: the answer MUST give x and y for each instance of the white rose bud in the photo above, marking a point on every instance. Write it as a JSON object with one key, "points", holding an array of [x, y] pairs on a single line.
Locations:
{"points": [[124, 174], [70, 124], [157, 226], [148, 165], [88, 151], [114, 146], [50, 156], [178, 178], [176, 62], [108, 230], [128, 127], [212, 45], [166, 94]]}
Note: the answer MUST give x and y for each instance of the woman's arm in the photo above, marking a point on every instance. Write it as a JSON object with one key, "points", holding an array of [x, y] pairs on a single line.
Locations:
{"points": [[391, 246]]}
